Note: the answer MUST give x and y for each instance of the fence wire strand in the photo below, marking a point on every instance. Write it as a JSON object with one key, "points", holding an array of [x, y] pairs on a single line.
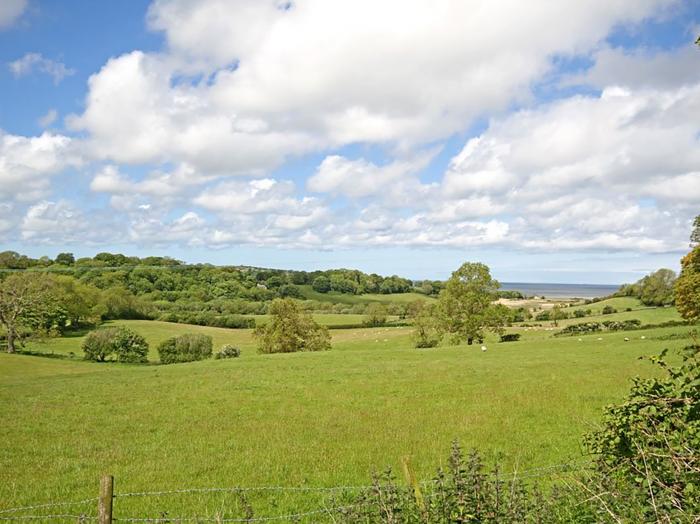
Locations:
{"points": [[571, 466]]}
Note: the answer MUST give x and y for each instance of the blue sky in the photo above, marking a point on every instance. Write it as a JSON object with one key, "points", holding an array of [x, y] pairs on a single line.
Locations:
{"points": [[556, 143]]}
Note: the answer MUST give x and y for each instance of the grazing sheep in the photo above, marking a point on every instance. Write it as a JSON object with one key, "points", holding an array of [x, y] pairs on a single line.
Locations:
{"points": [[483, 348], [643, 337], [580, 340], [600, 338], [627, 339]]}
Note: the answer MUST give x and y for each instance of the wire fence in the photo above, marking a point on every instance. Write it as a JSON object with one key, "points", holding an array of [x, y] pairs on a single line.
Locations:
{"points": [[87, 507]]}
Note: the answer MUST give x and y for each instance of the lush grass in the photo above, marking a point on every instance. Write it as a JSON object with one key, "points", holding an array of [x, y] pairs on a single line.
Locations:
{"points": [[318, 419]]}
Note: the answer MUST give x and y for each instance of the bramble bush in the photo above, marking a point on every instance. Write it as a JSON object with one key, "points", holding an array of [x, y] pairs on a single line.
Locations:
{"points": [[185, 348], [227, 351], [648, 449], [115, 343]]}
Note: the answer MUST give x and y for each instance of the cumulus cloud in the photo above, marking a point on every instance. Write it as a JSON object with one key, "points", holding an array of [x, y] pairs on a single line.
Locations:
{"points": [[359, 178], [27, 163], [246, 84], [31, 62], [186, 142], [10, 11]]}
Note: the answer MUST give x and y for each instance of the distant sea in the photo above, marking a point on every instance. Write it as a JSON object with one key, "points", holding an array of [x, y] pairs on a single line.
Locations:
{"points": [[559, 290]]}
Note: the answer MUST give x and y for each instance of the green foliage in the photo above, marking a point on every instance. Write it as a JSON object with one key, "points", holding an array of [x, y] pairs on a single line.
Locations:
{"points": [[227, 351], [595, 327], [290, 329], [465, 491], [580, 313], [648, 449], [687, 287], [608, 310], [655, 289], [115, 343], [185, 348], [376, 315], [465, 304], [427, 328], [28, 301], [557, 314], [510, 337], [66, 259], [543, 315]]}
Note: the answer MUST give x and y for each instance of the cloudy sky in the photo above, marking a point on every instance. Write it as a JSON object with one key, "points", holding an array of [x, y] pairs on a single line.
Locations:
{"points": [[555, 141]]}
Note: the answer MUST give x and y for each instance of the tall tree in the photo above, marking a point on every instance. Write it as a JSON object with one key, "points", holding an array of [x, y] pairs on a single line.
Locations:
{"points": [[466, 303], [26, 299]]}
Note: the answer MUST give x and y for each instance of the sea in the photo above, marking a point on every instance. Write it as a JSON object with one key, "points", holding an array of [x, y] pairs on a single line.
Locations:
{"points": [[530, 289]]}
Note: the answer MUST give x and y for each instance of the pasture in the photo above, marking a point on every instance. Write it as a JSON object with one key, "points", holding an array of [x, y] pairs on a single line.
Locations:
{"points": [[305, 419]]}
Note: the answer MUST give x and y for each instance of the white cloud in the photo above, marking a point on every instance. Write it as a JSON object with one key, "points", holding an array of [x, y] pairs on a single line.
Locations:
{"points": [[268, 82], [27, 163], [360, 178], [10, 11], [35, 61], [49, 118]]}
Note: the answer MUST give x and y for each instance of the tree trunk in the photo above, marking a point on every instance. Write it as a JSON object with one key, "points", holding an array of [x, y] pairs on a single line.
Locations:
{"points": [[10, 340]]}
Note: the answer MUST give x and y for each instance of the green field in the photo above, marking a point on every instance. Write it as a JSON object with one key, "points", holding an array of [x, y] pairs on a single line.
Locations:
{"points": [[306, 419], [342, 298]]}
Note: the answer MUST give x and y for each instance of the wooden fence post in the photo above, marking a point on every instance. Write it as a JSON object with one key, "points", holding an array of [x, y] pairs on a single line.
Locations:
{"points": [[104, 505]]}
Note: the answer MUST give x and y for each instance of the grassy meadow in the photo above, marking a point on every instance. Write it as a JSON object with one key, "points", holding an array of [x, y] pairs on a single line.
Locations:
{"points": [[305, 419]]}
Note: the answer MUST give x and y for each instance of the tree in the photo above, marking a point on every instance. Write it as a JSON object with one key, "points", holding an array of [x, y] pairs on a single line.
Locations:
{"points": [[376, 315], [25, 302], [466, 303], [687, 288], [67, 259], [321, 284], [427, 329], [656, 289], [695, 233], [290, 329], [556, 315]]}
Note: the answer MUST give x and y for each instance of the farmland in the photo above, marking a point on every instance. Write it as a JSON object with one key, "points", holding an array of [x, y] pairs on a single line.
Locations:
{"points": [[305, 419]]}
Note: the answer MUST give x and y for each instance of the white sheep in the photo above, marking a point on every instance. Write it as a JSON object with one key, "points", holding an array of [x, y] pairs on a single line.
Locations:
{"points": [[627, 339], [483, 348]]}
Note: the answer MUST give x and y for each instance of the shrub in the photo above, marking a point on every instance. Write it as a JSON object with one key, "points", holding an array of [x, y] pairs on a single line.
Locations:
{"points": [[648, 458], [185, 348], [228, 351], [118, 343], [608, 310], [291, 329], [376, 315], [510, 337], [542, 315], [579, 313]]}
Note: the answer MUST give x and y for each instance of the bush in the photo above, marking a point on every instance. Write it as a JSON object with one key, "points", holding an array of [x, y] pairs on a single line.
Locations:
{"points": [[648, 458], [185, 348], [542, 315], [291, 329], [579, 313], [228, 351], [115, 343], [510, 337], [608, 310]]}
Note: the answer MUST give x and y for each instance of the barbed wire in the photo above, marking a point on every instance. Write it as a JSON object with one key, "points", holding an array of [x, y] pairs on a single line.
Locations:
{"points": [[542, 471], [237, 519], [51, 517], [48, 505]]}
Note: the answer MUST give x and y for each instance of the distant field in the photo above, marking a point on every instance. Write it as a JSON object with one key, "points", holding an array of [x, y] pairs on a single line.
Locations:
{"points": [[319, 419], [340, 298], [330, 319]]}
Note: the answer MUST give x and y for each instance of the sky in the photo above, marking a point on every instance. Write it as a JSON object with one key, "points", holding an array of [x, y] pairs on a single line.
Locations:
{"points": [[554, 141]]}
